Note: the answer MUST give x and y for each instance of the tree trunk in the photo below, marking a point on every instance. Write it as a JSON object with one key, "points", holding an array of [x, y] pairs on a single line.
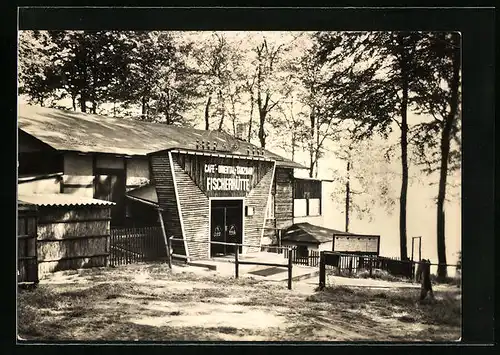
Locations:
{"points": [[168, 119], [144, 107], [404, 167], [251, 117], [443, 173], [262, 134], [347, 197], [94, 107], [223, 111], [262, 117], [317, 146], [312, 119], [83, 102], [73, 101], [207, 113]]}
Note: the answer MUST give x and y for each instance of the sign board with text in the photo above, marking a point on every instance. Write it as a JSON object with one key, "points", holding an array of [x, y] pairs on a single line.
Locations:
{"points": [[223, 177]]}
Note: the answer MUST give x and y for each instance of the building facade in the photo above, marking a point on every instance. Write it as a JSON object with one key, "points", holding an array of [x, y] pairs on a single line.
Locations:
{"points": [[208, 185]]}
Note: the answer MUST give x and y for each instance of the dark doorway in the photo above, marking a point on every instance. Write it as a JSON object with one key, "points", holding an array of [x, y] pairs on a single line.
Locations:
{"points": [[110, 186], [226, 221]]}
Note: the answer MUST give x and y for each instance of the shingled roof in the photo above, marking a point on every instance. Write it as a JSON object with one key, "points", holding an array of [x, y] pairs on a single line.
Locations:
{"points": [[310, 233], [75, 131]]}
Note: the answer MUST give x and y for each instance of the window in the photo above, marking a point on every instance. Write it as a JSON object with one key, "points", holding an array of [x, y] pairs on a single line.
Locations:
{"points": [[270, 207], [307, 198]]}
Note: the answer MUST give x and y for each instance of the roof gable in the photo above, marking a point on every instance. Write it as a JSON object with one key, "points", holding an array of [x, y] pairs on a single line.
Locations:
{"points": [[306, 232]]}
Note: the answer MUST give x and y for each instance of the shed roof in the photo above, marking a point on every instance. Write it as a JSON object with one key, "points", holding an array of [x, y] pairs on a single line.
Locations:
{"points": [[75, 131], [61, 200], [310, 233], [145, 192]]}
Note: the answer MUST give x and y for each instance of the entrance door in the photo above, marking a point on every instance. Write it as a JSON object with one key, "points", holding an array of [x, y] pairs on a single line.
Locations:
{"points": [[226, 225]]}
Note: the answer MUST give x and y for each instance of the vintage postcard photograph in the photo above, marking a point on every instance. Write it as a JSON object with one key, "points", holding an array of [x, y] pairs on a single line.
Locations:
{"points": [[239, 186]]}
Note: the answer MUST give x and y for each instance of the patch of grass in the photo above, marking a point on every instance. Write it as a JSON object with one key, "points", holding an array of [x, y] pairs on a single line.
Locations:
{"points": [[455, 281], [312, 298], [407, 319], [379, 274], [40, 297], [443, 311], [227, 330], [75, 294], [384, 312]]}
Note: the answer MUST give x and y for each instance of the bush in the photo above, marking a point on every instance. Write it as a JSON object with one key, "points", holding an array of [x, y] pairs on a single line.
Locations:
{"points": [[378, 274], [455, 281]]}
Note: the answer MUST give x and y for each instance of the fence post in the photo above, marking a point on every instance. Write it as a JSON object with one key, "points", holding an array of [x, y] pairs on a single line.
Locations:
{"points": [[170, 250], [167, 244], [370, 260], [236, 264], [290, 271], [350, 266], [322, 270]]}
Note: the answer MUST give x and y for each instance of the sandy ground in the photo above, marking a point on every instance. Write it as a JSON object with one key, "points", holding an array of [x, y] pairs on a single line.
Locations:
{"points": [[149, 302]]}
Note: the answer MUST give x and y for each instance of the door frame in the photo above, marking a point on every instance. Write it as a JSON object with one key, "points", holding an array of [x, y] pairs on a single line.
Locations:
{"points": [[210, 199]]}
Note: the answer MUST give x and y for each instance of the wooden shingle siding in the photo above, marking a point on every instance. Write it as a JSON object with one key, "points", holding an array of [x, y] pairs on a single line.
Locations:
{"points": [[257, 198], [283, 210], [164, 183], [195, 211], [269, 233]]}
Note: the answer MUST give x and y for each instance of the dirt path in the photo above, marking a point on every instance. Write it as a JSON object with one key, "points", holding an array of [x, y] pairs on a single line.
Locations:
{"points": [[144, 302]]}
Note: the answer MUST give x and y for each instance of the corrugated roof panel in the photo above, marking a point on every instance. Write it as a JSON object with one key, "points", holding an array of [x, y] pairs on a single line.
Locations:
{"points": [[62, 200]]}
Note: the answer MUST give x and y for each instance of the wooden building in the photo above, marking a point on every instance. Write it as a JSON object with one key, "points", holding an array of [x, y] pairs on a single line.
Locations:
{"points": [[208, 185], [306, 237]]}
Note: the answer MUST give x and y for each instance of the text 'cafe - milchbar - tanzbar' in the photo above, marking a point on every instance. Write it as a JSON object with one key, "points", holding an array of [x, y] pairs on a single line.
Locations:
{"points": [[229, 184]]}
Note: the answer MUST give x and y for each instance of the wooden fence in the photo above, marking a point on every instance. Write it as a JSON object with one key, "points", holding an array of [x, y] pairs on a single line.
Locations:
{"points": [[353, 263], [311, 259], [27, 264], [132, 245], [72, 237]]}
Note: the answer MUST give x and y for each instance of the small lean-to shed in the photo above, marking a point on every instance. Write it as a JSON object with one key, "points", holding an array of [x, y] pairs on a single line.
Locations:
{"points": [[72, 232], [306, 236], [27, 266]]}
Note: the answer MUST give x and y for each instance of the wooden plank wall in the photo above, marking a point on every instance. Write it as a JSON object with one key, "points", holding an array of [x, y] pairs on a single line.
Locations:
{"points": [[257, 198], [78, 176], [72, 237], [195, 211], [270, 234], [283, 204], [164, 183], [26, 248]]}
